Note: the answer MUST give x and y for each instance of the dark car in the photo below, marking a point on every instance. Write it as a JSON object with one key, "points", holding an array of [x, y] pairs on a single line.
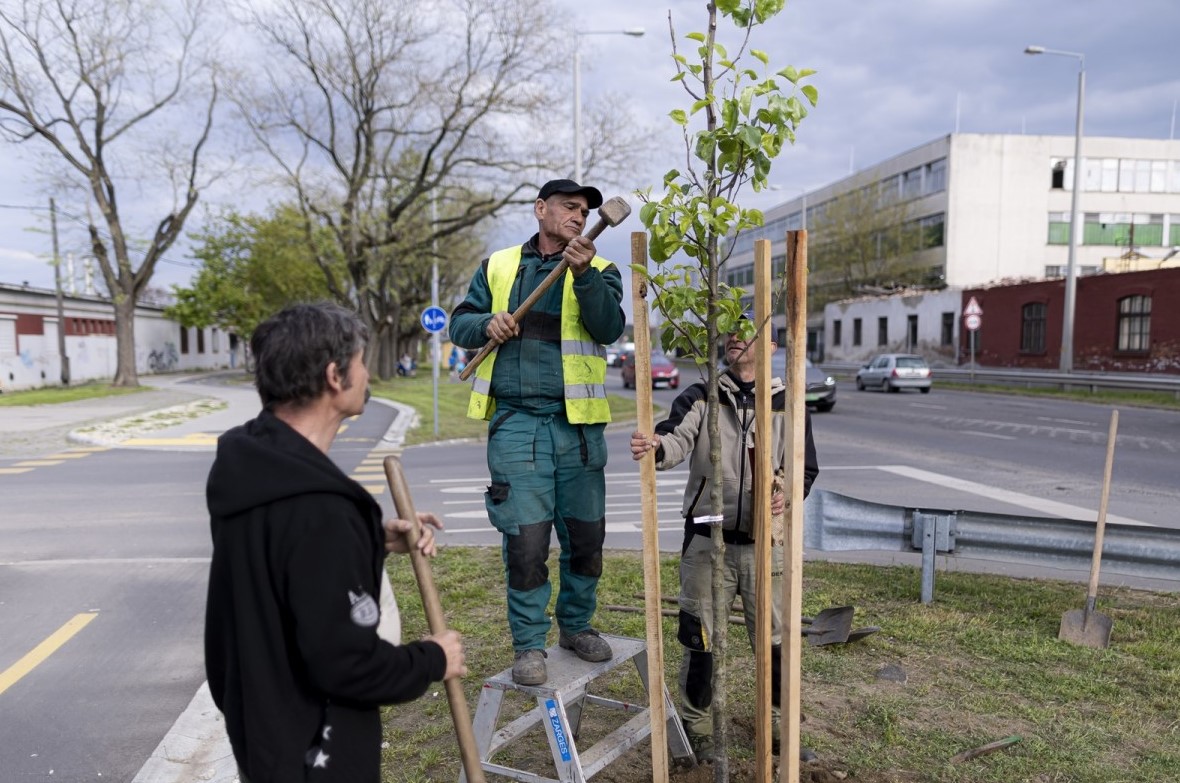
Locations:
{"points": [[663, 371], [891, 372], [821, 387]]}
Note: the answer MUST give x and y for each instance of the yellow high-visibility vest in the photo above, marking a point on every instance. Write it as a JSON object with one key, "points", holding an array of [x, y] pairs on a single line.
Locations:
{"points": [[583, 360]]}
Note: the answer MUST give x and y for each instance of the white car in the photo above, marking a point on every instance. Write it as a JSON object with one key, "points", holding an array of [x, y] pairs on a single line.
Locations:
{"points": [[891, 372]]}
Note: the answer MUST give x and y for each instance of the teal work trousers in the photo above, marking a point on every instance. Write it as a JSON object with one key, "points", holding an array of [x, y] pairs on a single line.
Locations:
{"points": [[547, 474]]}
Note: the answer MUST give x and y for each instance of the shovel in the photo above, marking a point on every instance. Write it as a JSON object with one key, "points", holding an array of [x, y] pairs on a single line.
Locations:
{"points": [[1088, 627], [831, 626]]}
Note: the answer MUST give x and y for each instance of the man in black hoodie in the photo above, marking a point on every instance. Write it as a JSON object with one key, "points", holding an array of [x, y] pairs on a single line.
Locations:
{"points": [[291, 647]]}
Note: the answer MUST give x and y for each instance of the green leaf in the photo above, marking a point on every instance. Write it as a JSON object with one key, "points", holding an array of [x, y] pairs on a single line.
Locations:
{"points": [[678, 116], [811, 93], [761, 55], [698, 105], [700, 37]]}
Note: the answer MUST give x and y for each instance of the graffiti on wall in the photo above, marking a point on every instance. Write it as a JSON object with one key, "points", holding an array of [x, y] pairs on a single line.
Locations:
{"points": [[163, 360]]}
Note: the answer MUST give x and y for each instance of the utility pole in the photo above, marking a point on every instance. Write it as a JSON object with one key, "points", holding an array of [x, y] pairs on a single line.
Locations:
{"points": [[61, 317]]}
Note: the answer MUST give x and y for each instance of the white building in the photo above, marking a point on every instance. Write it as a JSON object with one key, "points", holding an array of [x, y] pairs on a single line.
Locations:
{"points": [[29, 356], [996, 207]]}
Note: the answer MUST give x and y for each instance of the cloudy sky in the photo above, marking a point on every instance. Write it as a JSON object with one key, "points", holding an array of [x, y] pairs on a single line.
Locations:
{"points": [[890, 76]]}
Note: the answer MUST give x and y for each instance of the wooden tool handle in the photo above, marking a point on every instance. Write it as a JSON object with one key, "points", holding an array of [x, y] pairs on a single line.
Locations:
{"points": [[1100, 531], [531, 300], [460, 715]]}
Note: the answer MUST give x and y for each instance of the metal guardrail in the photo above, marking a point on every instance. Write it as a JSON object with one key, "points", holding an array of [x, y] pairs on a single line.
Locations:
{"points": [[835, 522], [1091, 381]]}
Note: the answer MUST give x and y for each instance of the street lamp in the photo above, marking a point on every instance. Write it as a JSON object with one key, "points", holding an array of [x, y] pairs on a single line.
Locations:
{"points": [[1071, 270], [636, 32]]}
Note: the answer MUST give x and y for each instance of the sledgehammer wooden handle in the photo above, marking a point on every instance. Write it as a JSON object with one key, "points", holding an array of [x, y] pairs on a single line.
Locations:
{"points": [[460, 715], [613, 212]]}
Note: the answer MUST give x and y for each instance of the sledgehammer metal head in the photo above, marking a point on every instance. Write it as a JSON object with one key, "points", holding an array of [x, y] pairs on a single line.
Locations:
{"points": [[612, 212]]}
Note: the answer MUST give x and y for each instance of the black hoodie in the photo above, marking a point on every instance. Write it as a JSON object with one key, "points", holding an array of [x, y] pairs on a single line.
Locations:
{"points": [[291, 647]]}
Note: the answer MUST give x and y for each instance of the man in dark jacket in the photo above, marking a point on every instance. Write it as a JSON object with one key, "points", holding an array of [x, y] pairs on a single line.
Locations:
{"points": [[685, 435], [291, 647]]}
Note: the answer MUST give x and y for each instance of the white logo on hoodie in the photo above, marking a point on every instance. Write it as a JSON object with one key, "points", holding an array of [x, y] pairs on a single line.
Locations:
{"points": [[364, 610]]}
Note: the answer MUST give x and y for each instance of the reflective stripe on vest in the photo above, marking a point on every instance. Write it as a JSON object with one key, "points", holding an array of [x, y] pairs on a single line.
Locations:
{"points": [[583, 361]]}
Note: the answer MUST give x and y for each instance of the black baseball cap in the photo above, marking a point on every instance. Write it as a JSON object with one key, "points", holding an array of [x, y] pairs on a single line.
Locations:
{"points": [[593, 197]]}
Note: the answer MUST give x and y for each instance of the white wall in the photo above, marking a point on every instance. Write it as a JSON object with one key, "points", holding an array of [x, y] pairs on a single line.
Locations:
{"points": [[928, 306], [31, 361]]}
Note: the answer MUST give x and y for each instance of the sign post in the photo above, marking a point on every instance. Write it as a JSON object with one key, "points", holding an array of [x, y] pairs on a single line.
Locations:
{"points": [[434, 320], [972, 320]]}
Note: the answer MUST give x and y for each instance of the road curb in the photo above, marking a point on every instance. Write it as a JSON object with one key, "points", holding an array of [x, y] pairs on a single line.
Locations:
{"points": [[195, 750]]}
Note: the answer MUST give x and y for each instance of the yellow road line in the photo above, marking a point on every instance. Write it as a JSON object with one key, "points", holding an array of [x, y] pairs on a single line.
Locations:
{"points": [[38, 654], [13, 471], [69, 455], [37, 463], [375, 489]]}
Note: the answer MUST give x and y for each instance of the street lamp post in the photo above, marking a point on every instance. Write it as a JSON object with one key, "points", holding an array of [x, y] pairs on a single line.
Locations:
{"points": [[636, 32], [1071, 270]]}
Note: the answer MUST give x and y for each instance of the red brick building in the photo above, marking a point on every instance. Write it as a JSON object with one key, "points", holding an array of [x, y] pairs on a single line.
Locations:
{"points": [[1127, 322]]}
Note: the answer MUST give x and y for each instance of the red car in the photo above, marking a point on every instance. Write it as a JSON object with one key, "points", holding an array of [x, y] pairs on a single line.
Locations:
{"points": [[663, 371]]}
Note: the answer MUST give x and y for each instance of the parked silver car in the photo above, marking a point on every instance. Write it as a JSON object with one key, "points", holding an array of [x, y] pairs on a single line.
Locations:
{"points": [[892, 372]]}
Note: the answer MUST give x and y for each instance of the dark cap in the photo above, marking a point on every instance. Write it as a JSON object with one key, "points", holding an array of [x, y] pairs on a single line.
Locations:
{"points": [[593, 197]]}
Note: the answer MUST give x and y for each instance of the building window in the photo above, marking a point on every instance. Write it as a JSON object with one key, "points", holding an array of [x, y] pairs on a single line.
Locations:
{"points": [[1054, 270], [200, 340], [836, 332], [933, 230], [1058, 228], [1123, 229], [911, 332], [883, 330], [911, 184], [216, 341], [1057, 173], [1134, 323], [935, 180], [856, 331], [1174, 231], [183, 340], [948, 328], [1032, 328]]}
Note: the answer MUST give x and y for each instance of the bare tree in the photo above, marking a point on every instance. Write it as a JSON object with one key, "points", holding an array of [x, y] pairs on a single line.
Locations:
{"points": [[377, 108], [101, 83], [866, 240]]}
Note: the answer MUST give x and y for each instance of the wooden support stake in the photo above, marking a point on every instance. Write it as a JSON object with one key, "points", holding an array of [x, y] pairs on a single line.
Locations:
{"points": [[649, 503], [792, 603], [763, 470], [403, 503]]}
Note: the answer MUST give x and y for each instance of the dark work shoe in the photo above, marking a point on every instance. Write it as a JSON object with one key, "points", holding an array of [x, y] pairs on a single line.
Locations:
{"points": [[702, 747], [587, 645], [528, 668]]}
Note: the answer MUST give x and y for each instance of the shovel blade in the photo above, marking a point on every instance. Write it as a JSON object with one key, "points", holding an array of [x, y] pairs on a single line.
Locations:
{"points": [[831, 626], [1088, 629]]}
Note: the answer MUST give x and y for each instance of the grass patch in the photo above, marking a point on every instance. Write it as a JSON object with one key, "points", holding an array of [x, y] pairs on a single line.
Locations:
{"points": [[1144, 399], [53, 395], [982, 663], [418, 392]]}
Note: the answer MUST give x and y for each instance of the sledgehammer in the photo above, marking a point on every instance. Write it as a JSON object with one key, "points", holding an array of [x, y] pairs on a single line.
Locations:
{"points": [[460, 715], [612, 212]]}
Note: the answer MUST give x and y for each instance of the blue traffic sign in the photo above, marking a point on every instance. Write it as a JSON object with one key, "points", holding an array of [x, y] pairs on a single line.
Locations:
{"points": [[434, 319]]}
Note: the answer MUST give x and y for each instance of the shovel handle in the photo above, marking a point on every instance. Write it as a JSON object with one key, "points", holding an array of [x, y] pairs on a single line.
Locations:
{"points": [[460, 715], [531, 300], [1100, 531]]}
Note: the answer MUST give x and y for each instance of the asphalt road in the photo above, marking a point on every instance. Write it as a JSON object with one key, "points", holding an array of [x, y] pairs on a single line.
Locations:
{"points": [[107, 552]]}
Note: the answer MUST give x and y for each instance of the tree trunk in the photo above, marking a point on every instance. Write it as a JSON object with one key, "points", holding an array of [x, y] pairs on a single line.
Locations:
{"points": [[126, 373]]}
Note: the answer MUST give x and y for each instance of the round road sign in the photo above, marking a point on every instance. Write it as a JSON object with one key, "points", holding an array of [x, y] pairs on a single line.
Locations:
{"points": [[973, 322], [434, 319]]}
